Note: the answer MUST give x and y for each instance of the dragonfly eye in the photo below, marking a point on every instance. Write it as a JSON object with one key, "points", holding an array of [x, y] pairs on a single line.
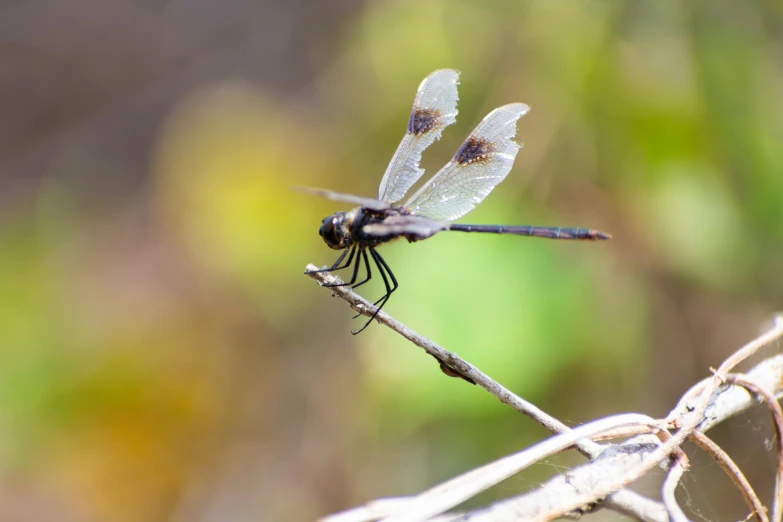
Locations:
{"points": [[332, 231]]}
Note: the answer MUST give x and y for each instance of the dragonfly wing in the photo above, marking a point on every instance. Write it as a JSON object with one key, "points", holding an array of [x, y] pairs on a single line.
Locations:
{"points": [[370, 203], [483, 161], [419, 227], [434, 109]]}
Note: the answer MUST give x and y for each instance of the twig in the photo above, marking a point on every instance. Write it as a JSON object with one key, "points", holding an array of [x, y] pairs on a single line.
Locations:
{"points": [[734, 472], [771, 335], [688, 416], [455, 491], [362, 306], [377, 509], [676, 471], [623, 500], [777, 418], [576, 488], [678, 466], [687, 423], [729, 401]]}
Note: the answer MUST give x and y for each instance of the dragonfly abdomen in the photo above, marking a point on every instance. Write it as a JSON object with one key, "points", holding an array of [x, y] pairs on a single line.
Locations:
{"points": [[586, 234]]}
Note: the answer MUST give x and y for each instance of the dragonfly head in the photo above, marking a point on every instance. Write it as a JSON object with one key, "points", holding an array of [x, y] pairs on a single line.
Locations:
{"points": [[334, 231]]}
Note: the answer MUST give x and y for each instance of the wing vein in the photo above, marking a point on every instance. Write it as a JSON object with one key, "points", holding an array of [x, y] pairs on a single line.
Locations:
{"points": [[481, 162], [434, 109]]}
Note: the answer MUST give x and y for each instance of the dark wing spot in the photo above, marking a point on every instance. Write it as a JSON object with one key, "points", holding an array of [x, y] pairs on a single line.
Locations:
{"points": [[473, 150], [423, 120]]}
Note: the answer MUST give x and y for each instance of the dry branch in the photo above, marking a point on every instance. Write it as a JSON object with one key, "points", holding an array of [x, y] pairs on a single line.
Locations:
{"points": [[600, 482], [777, 418], [734, 472]]}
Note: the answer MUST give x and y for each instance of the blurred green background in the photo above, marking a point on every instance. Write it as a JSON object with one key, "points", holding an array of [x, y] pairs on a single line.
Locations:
{"points": [[162, 357]]}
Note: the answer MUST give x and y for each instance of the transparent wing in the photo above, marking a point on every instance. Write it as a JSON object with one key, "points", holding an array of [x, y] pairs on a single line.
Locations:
{"points": [[434, 109], [348, 198], [483, 161], [419, 227]]}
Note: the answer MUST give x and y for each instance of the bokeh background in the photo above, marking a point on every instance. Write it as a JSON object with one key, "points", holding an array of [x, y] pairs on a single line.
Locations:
{"points": [[162, 357]]}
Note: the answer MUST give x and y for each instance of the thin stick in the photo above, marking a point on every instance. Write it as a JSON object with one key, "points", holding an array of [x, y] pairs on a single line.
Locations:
{"points": [[687, 421], [729, 401], [453, 492], [629, 502], [689, 416], [734, 472], [620, 433], [686, 417], [679, 464], [669, 486], [453, 361], [771, 335], [777, 417], [690, 420], [577, 487]]}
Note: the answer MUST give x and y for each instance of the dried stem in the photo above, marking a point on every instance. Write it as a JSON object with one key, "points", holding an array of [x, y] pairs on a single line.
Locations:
{"points": [[451, 360], [777, 417], [626, 501], [455, 491], [613, 466], [669, 486], [734, 472], [686, 423]]}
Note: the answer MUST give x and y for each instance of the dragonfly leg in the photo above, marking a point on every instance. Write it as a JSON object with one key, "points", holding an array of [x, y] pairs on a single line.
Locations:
{"points": [[388, 271], [383, 268], [391, 274], [355, 272], [366, 267], [339, 259]]}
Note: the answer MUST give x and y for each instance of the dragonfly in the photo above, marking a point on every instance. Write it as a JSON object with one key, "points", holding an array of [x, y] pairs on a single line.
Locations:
{"points": [[482, 161]]}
